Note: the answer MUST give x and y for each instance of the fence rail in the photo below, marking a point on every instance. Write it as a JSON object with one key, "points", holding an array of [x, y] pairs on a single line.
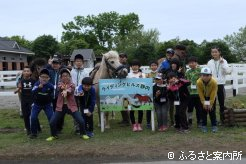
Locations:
{"points": [[235, 80]]}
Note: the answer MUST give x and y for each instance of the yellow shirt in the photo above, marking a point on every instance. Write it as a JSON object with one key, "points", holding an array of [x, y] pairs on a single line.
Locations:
{"points": [[209, 90]]}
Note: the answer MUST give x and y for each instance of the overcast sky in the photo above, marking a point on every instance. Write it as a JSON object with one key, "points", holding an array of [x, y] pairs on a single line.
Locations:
{"points": [[187, 19]]}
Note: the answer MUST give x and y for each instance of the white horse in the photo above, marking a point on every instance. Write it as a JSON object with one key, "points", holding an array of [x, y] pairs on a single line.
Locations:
{"points": [[109, 68], [113, 100]]}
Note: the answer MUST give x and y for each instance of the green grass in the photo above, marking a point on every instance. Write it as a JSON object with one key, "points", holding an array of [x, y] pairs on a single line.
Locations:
{"points": [[117, 141]]}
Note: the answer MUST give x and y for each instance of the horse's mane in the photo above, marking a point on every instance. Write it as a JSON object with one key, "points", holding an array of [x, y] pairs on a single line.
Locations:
{"points": [[37, 62], [111, 54]]}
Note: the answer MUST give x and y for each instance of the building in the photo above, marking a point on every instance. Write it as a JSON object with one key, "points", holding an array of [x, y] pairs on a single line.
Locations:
{"points": [[12, 55], [88, 54]]}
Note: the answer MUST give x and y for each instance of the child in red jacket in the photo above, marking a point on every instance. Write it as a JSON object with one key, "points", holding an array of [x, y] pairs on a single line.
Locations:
{"points": [[66, 104]]}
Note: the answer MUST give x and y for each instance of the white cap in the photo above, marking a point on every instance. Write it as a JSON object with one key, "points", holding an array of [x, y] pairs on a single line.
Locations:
{"points": [[206, 70]]}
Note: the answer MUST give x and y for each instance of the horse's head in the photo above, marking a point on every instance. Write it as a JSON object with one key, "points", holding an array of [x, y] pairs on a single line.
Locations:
{"points": [[115, 68]]}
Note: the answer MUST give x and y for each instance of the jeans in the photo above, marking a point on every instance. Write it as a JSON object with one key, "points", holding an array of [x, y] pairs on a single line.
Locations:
{"points": [[212, 115], [59, 114], [34, 115], [195, 101], [221, 98], [161, 114], [180, 115], [140, 116]]}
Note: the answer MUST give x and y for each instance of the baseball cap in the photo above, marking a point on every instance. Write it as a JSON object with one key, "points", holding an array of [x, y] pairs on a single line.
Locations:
{"points": [[206, 71], [65, 70], [56, 60], [158, 76], [170, 51]]}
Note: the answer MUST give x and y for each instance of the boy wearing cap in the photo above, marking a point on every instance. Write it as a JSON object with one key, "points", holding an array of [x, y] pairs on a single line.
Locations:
{"points": [[207, 89], [193, 75], [54, 68], [66, 104], [160, 102], [87, 103], [42, 99], [165, 65]]}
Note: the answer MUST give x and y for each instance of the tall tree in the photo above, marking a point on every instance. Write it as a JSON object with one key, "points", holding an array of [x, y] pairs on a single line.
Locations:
{"points": [[145, 53], [237, 43], [45, 46], [105, 27]]}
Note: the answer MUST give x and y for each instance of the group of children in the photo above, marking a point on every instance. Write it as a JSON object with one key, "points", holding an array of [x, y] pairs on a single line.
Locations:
{"points": [[180, 90], [76, 99], [59, 91]]}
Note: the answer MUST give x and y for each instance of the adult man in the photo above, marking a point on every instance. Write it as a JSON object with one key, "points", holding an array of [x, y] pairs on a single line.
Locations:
{"points": [[54, 70], [180, 54], [124, 114], [165, 65]]}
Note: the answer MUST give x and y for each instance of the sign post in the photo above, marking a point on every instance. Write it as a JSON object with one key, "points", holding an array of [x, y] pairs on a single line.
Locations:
{"points": [[126, 94]]}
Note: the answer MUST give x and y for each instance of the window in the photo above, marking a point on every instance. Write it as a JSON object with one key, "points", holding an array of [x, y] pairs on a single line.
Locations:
{"points": [[21, 65], [5, 66], [3, 58], [14, 67]]}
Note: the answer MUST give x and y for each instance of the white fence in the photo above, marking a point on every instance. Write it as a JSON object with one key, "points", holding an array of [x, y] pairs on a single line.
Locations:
{"points": [[235, 80]]}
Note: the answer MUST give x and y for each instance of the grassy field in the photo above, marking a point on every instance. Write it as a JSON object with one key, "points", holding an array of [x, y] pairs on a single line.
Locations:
{"points": [[117, 144]]}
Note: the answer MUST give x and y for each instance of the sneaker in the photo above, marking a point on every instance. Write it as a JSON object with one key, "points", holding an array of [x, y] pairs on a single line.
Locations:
{"points": [[148, 126], [33, 136], [139, 127], [186, 131], [85, 137], [134, 127], [90, 134], [160, 129], [52, 138], [204, 129], [214, 129], [165, 128]]}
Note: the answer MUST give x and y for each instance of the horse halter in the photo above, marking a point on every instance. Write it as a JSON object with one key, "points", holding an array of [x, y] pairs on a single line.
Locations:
{"points": [[114, 70]]}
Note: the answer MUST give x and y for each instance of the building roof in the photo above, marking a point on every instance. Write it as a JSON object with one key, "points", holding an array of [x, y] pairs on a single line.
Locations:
{"points": [[88, 54], [12, 46]]}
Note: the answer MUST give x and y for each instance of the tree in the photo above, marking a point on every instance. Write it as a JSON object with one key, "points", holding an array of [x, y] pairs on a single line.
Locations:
{"points": [[225, 51], [135, 39], [105, 27], [237, 44], [68, 47], [45, 46], [145, 53]]}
